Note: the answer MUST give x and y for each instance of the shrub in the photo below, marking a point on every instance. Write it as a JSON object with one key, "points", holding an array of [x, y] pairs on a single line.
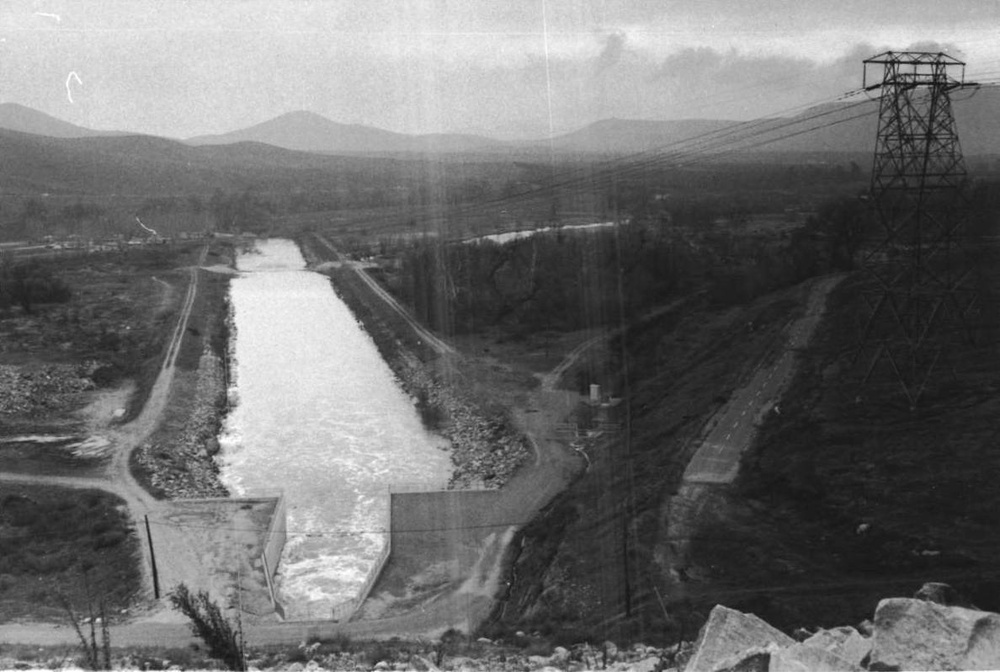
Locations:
{"points": [[109, 539], [208, 624]]}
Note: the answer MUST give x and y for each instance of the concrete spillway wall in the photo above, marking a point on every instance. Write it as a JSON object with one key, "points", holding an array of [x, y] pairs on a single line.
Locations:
{"points": [[439, 528], [274, 543], [221, 546], [345, 611], [447, 526], [443, 513], [450, 531]]}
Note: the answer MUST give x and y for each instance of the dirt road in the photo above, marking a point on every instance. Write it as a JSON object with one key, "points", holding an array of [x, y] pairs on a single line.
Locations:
{"points": [[463, 607], [439, 346], [175, 559], [729, 433], [551, 379], [734, 427]]}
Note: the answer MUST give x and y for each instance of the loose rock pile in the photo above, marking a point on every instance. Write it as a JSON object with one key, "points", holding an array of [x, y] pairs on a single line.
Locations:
{"points": [[907, 634], [186, 469], [485, 451], [31, 391], [639, 658]]}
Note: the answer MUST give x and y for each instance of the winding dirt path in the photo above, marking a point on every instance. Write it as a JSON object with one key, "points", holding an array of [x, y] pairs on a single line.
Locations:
{"points": [[464, 607], [174, 556]]}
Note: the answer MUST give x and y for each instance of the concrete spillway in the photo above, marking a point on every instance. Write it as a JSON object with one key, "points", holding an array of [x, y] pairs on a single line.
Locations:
{"points": [[319, 416]]}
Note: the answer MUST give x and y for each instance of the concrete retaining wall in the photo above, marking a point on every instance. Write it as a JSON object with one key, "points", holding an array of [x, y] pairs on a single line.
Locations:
{"points": [[445, 533], [276, 535], [435, 526], [442, 512], [345, 611], [274, 543]]}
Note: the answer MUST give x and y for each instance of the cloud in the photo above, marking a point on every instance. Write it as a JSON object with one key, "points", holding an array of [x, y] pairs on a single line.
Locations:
{"points": [[690, 62], [937, 47], [612, 52]]}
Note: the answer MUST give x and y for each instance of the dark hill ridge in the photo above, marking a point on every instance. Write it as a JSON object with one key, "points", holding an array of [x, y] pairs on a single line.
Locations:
{"points": [[834, 127], [151, 166], [27, 120], [44, 154]]}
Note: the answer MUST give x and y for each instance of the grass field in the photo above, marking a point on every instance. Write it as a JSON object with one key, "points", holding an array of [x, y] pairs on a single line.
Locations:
{"points": [[74, 544], [45, 459], [106, 340], [850, 491]]}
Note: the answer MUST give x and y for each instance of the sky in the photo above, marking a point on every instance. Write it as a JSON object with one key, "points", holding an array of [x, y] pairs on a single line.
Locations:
{"points": [[502, 68]]}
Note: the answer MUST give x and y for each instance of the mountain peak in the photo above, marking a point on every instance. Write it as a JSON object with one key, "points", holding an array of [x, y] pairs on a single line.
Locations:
{"points": [[304, 116], [311, 132], [17, 117]]}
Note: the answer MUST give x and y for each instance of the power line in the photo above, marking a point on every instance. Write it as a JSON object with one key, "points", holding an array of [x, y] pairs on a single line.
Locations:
{"points": [[721, 142]]}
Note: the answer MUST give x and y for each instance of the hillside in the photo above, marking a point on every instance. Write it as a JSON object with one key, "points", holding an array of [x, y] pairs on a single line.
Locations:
{"points": [[843, 127], [151, 166], [847, 127], [309, 132], [23, 119], [836, 504]]}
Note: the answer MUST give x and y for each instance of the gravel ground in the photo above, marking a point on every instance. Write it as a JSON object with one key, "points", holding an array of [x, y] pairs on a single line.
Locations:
{"points": [[485, 451], [184, 468], [35, 391]]}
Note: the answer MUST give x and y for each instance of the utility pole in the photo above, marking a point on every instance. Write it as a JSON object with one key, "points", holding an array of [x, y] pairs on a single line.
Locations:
{"points": [[919, 295], [152, 560]]}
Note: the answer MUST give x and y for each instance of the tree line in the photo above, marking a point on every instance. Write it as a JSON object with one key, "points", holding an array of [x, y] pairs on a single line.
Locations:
{"points": [[565, 280], [28, 283]]}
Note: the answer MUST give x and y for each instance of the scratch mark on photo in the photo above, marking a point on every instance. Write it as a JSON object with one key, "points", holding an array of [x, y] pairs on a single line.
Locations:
{"points": [[69, 78], [50, 16]]}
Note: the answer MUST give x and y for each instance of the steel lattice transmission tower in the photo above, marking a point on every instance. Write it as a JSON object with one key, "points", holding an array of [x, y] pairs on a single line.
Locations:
{"points": [[921, 295]]}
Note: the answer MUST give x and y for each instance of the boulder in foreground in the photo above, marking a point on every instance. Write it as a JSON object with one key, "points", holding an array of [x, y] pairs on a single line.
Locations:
{"points": [[727, 635], [915, 634]]}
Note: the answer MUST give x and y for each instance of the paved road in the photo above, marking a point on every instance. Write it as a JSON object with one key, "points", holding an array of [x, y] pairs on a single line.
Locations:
{"points": [[734, 427]]}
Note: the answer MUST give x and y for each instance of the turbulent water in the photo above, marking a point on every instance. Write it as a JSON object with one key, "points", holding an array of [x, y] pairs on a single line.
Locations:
{"points": [[320, 417]]}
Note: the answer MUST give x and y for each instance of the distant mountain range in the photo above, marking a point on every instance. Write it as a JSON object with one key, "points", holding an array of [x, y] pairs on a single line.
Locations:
{"points": [[145, 166], [310, 132], [848, 127]]}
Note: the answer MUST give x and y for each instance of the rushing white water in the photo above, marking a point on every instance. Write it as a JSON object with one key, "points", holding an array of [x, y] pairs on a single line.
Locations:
{"points": [[320, 417]]}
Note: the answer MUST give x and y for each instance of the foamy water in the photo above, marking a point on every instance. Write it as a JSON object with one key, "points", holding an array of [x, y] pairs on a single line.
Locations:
{"points": [[320, 417]]}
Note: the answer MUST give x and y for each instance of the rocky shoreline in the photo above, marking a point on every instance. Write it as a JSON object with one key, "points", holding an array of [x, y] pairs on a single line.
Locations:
{"points": [[485, 448], [185, 469], [485, 451], [181, 464]]}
